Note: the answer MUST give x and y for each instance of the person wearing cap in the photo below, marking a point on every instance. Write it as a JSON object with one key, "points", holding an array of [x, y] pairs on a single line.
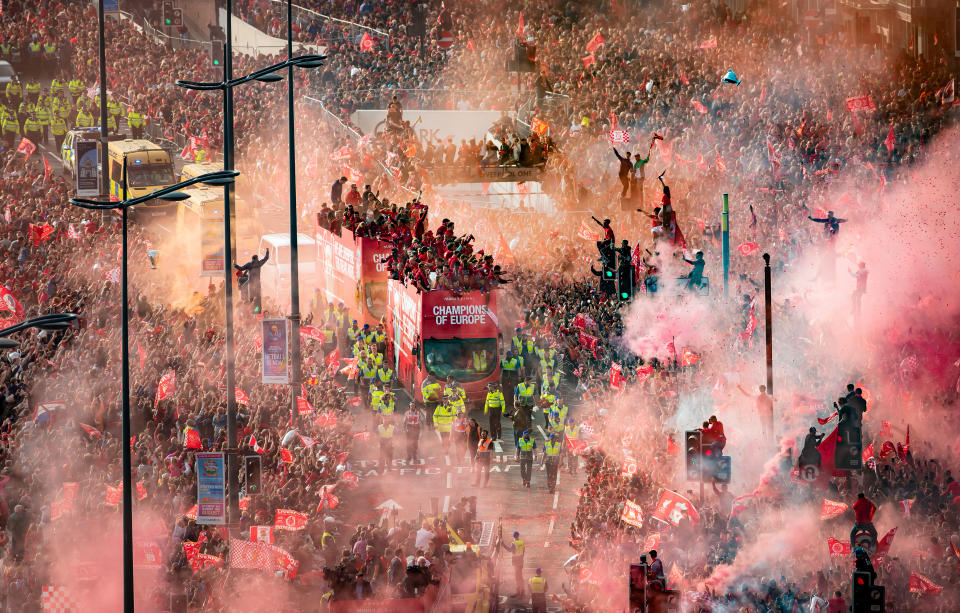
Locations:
{"points": [[551, 459], [368, 376], [443, 422], [430, 391], [366, 334], [510, 369], [523, 393], [493, 405], [538, 592], [454, 395], [517, 548], [525, 448]]}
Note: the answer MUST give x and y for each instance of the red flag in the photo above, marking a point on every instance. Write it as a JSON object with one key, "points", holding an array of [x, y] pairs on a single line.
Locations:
{"points": [[114, 496], [587, 340], [643, 373], [860, 103], [618, 136], [887, 449], [257, 556], [868, 460], [166, 387], [576, 446], [40, 234], [286, 456], [890, 140], [595, 42], [355, 401], [672, 507], [90, 430], [470, 45], [343, 153], [46, 168], [72, 232], [920, 584], [141, 354], [672, 447], [699, 106], [520, 26], [676, 581], [710, 43], [141, 490], [26, 147], [720, 165], [312, 332], [825, 420], [361, 436], [350, 479], [306, 441], [632, 514], [540, 127], [261, 534], [689, 358], [652, 542], [616, 376], [242, 397], [838, 549], [748, 248], [287, 519], [366, 42], [191, 438], [827, 449], [740, 505], [630, 466], [831, 509], [327, 499], [883, 546]]}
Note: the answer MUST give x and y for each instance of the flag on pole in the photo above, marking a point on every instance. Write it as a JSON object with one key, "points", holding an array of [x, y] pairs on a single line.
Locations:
{"points": [[919, 584], [587, 233], [520, 26], [90, 430], [261, 534], [890, 140], [26, 147], [287, 519], [166, 387], [838, 549], [831, 509], [366, 42], [252, 442], [595, 42], [672, 507], [47, 171]]}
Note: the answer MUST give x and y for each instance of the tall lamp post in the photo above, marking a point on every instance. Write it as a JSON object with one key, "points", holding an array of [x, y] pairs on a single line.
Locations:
{"points": [[51, 321], [264, 75], [768, 320], [172, 194]]}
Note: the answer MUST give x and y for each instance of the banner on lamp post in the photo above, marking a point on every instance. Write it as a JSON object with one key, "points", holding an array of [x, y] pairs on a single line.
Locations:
{"points": [[211, 489], [275, 351]]}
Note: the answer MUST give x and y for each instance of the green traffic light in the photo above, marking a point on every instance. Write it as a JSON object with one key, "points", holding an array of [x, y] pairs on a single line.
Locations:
{"points": [[169, 21], [624, 295]]}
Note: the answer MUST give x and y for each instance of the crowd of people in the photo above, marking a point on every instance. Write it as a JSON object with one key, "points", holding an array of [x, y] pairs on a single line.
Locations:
{"points": [[779, 143]]}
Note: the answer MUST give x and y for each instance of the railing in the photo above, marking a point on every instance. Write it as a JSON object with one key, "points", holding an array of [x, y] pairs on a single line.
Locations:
{"points": [[327, 28], [429, 99]]}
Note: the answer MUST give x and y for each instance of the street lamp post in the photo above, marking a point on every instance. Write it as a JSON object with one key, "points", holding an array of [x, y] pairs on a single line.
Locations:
{"points": [[51, 321], [170, 193], [768, 320], [294, 255], [264, 75]]}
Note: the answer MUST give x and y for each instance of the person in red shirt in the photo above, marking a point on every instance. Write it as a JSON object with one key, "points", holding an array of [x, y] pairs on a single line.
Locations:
{"points": [[863, 511], [837, 604]]}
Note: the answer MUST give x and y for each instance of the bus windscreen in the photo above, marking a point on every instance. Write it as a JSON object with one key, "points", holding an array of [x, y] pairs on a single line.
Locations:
{"points": [[464, 359], [149, 175]]}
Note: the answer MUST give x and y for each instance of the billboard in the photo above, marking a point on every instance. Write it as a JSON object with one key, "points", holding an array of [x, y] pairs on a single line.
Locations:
{"points": [[211, 489], [275, 358]]}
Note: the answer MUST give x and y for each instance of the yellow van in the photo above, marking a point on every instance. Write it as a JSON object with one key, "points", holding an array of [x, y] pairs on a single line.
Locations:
{"points": [[148, 168]]}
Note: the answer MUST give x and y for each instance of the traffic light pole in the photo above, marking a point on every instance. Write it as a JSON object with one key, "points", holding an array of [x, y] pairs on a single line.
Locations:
{"points": [[768, 320], [725, 236]]}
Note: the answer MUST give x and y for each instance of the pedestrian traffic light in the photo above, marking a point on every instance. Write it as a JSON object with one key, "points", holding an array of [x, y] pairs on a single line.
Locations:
{"points": [[693, 442], [216, 52], [177, 17], [721, 469], [849, 451], [166, 13], [625, 280], [252, 468]]}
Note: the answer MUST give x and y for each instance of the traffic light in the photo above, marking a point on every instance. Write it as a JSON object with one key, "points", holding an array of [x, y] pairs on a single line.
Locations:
{"points": [[216, 52], [693, 442], [867, 597], [625, 280], [177, 17], [721, 469], [849, 451], [252, 469], [166, 13]]}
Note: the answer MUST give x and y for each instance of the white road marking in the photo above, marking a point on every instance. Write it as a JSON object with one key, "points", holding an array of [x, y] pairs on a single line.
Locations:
{"points": [[439, 438], [497, 447], [553, 520], [540, 428], [449, 481], [446, 459], [556, 499], [446, 503]]}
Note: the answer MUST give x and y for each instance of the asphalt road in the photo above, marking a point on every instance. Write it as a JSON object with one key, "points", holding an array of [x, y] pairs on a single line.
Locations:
{"points": [[543, 519]]}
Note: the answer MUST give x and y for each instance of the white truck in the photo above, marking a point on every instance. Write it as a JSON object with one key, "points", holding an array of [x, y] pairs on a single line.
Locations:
{"points": [[275, 274]]}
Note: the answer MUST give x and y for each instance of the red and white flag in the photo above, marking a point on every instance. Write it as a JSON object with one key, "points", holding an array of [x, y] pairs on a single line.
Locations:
{"points": [[26, 147], [672, 507], [141, 490], [890, 141], [588, 60], [920, 584], [90, 430], [312, 333], [629, 467], [332, 361], [698, 106], [166, 387], [303, 406], [306, 441], [826, 420], [343, 153], [72, 232], [287, 519], [575, 446], [860, 103], [884, 544], [905, 506], [618, 137], [652, 542], [256, 556], [327, 498], [286, 455], [56, 599], [261, 534], [587, 340], [113, 496], [191, 438], [242, 397], [689, 358], [350, 479], [947, 93], [366, 42], [868, 459], [361, 436], [710, 43], [587, 233], [595, 42], [831, 509], [632, 514], [254, 445], [327, 419], [838, 549]]}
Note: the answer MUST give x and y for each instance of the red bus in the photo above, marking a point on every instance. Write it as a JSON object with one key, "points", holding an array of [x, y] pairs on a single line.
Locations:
{"points": [[353, 271], [443, 333]]}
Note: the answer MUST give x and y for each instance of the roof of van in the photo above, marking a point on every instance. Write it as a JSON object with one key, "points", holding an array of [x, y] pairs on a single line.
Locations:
{"points": [[283, 240], [133, 146]]}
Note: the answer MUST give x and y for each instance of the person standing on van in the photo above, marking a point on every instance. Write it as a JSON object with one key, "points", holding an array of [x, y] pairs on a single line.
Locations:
{"points": [[251, 271]]}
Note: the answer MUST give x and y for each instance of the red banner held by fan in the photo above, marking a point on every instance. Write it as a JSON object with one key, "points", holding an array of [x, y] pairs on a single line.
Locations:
{"points": [[632, 514], [919, 584], [748, 248], [672, 507], [587, 233], [287, 519], [838, 549]]}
